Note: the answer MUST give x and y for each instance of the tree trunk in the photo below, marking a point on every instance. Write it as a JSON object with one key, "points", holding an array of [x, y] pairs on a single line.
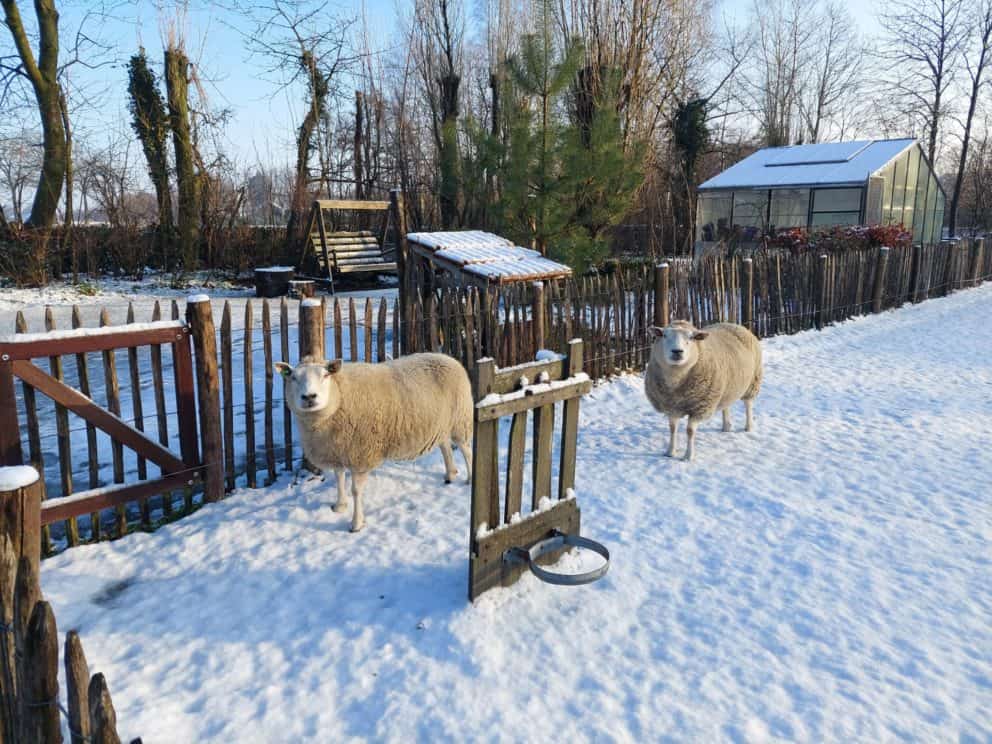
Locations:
{"points": [[318, 92], [187, 183], [43, 75], [67, 241], [359, 192], [449, 149]]}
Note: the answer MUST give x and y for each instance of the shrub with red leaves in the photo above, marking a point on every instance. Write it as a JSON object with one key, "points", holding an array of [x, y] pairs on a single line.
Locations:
{"points": [[840, 238]]}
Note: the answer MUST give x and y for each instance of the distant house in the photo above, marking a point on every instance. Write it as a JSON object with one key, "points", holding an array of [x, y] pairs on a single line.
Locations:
{"points": [[868, 182]]}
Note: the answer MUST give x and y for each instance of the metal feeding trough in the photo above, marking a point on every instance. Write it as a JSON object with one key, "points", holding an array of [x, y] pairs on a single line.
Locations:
{"points": [[559, 541]]}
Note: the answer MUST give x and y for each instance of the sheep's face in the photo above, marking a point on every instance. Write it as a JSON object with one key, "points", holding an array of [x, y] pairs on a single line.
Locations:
{"points": [[310, 386], [677, 345]]}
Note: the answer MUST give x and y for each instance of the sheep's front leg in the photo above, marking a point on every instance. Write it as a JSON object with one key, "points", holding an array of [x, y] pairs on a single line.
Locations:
{"points": [[466, 451], [342, 502], [726, 419], [357, 486], [673, 427], [450, 471], [749, 412], [690, 433]]}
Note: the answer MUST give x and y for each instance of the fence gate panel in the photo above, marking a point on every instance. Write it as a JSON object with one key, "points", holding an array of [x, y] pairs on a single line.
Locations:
{"points": [[178, 471]]}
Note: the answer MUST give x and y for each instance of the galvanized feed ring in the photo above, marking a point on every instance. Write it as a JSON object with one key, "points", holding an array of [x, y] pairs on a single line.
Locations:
{"points": [[557, 542]]}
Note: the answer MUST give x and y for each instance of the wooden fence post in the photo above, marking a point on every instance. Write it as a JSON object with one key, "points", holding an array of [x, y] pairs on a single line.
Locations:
{"points": [[661, 317], [103, 717], [977, 261], [77, 675], [747, 295], [199, 315], [41, 674], [880, 266], [311, 329], [20, 588], [821, 292], [402, 268], [537, 315], [485, 471]]}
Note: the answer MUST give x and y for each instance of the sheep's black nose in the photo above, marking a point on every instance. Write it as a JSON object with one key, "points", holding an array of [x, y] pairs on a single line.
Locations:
{"points": [[309, 396], [677, 353]]}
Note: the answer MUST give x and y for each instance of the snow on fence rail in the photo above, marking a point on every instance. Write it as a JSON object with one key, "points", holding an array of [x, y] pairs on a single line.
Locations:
{"points": [[610, 313]]}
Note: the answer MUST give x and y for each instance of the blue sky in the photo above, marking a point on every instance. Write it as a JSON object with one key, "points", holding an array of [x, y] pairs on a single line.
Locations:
{"points": [[263, 117]]}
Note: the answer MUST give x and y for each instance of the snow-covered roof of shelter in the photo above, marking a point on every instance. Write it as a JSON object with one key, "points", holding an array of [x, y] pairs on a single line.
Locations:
{"points": [[488, 256], [810, 165]]}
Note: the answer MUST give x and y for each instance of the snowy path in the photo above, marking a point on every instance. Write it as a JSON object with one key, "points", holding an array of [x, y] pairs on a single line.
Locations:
{"points": [[826, 578]]}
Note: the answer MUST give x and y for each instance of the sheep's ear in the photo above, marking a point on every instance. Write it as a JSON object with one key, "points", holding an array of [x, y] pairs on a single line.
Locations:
{"points": [[334, 366], [699, 335], [284, 369], [656, 331]]}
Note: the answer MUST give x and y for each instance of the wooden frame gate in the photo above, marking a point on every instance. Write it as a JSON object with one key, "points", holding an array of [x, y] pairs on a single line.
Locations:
{"points": [[177, 472], [516, 391]]}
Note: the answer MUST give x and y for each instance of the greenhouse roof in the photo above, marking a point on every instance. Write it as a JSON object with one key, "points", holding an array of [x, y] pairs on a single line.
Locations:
{"points": [[821, 164]]}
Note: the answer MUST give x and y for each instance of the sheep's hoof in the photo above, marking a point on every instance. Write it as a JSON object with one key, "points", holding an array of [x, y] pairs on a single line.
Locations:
{"points": [[340, 506], [357, 527]]}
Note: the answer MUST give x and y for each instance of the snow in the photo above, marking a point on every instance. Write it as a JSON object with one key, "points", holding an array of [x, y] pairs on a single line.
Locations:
{"points": [[197, 298], [311, 302], [13, 338], [13, 477], [546, 355], [280, 269], [827, 577]]}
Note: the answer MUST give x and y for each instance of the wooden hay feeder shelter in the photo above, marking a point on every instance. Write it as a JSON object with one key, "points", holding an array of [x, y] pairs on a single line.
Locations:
{"points": [[474, 257], [351, 252], [504, 539]]}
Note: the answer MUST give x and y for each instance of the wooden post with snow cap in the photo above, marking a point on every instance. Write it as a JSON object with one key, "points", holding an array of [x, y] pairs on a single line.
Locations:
{"points": [[199, 315], [747, 295], [880, 265], [21, 492], [661, 275], [537, 315], [311, 329]]}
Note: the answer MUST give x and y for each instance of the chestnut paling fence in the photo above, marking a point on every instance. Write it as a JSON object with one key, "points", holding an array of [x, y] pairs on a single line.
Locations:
{"points": [[199, 412]]}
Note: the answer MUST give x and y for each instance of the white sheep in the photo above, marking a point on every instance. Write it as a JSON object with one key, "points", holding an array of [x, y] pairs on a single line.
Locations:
{"points": [[356, 416], [697, 373]]}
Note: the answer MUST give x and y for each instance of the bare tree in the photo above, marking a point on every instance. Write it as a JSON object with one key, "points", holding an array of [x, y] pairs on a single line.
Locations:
{"points": [[978, 55], [304, 43], [833, 71], [922, 48], [42, 73], [19, 163]]}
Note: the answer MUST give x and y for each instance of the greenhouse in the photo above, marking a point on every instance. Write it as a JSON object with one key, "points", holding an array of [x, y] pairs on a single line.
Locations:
{"points": [[869, 182]]}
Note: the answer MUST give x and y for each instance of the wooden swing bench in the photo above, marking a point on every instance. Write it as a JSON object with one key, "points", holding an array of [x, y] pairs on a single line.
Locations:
{"points": [[352, 252]]}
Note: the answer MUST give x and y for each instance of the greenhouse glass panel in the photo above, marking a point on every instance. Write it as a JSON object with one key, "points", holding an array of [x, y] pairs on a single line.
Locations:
{"points": [[886, 175], [920, 215], [824, 219], [790, 208], [930, 226], [898, 188], [749, 208], [713, 216], [911, 179], [837, 200]]}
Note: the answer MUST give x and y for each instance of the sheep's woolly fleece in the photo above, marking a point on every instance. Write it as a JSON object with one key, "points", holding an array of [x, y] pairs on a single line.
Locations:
{"points": [[826, 578]]}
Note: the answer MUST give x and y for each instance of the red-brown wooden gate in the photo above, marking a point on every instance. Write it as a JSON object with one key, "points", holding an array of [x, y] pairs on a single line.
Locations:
{"points": [[177, 471]]}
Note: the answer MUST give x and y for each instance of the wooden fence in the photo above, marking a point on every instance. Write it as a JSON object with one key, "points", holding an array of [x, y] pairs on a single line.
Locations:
{"points": [[245, 431], [30, 708]]}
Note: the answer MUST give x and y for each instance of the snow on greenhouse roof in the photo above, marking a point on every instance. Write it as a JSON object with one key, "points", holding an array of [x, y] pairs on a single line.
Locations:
{"points": [[486, 256], [810, 165]]}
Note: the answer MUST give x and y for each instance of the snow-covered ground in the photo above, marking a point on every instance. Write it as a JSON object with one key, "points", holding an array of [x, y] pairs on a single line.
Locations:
{"points": [[827, 577]]}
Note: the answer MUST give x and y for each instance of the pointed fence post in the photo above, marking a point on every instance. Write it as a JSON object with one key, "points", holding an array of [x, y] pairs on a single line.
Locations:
{"points": [[661, 276], [977, 261], [77, 675], [537, 315], [200, 317], [103, 717], [822, 312], [747, 295], [881, 264], [402, 268], [41, 674]]}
